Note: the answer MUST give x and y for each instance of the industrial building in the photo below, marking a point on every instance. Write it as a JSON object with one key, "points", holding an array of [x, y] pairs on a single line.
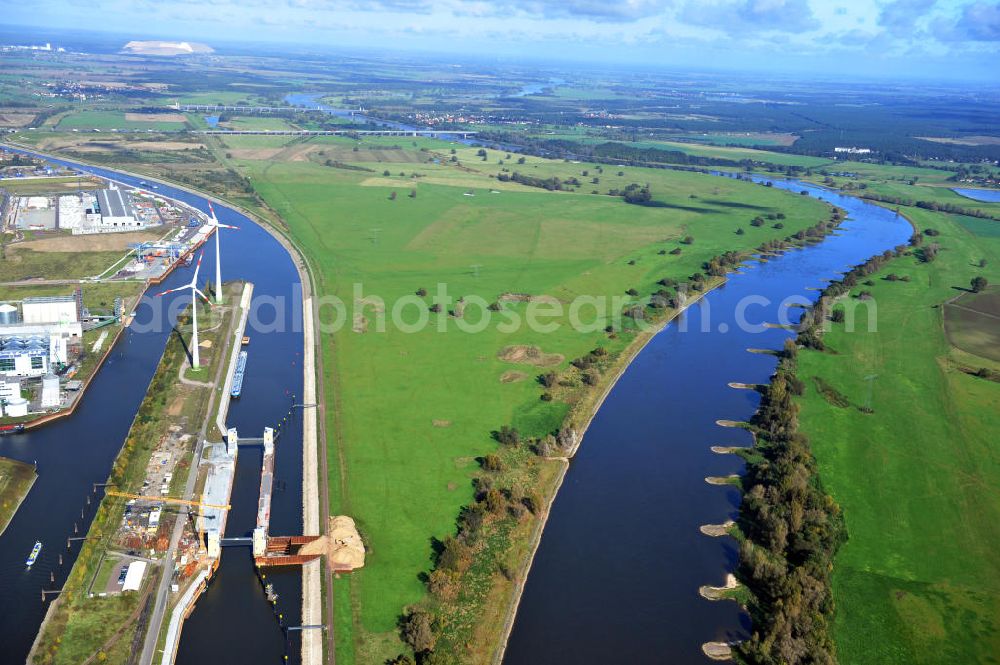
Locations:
{"points": [[9, 315], [53, 309], [9, 389], [35, 212], [35, 338], [50, 392], [24, 356], [16, 407], [111, 210], [115, 207], [72, 210]]}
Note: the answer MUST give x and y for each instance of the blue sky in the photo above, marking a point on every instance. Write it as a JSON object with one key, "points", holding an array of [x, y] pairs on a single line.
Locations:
{"points": [[890, 37]]}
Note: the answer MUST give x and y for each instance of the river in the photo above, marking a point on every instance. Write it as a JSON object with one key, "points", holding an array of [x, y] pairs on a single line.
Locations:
{"points": [[616, 576], [232, 623], [982, 195]]}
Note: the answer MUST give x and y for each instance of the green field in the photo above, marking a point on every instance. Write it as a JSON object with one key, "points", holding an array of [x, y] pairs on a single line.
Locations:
{"points": [[16, 478], [107, 120], [726, 152], [409, 413], [972, 323], [918, 580], [20, 264], [748, 139], [30, 186], [256, 123], [703, 150]]}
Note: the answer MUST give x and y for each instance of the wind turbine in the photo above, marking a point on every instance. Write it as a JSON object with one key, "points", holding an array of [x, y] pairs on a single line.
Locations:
{"points": [[195, 292], [218, 257]]}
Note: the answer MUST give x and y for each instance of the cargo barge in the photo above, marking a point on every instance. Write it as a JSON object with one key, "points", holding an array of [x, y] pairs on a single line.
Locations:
{"points": [[241, 365]]}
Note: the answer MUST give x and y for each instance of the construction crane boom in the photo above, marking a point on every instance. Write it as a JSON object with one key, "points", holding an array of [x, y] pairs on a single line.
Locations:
{"points": [[165, 499]]}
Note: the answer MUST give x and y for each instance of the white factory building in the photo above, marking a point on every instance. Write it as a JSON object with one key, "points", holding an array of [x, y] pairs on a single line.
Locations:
{"points": [[105, 211], [34, 340], [52, 309], [50, 391], [24, 356]]}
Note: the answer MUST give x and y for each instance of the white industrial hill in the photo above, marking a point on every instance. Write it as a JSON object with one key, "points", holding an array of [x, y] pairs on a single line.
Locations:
{"points": [[166, 48]]}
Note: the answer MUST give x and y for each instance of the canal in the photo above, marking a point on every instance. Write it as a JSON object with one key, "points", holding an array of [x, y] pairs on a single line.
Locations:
{"points": [[616, 576], [232, 623]]}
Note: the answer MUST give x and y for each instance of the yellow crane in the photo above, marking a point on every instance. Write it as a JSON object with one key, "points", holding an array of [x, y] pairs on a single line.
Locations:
{"points": [[165, 499]]}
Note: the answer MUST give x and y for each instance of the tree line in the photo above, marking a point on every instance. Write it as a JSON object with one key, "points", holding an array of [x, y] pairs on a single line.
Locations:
{"points": [[792, 530], [936, 206]]}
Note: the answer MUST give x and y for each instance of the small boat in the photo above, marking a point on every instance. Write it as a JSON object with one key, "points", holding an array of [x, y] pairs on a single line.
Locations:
{"points": [[246, 340], [34, 554]]}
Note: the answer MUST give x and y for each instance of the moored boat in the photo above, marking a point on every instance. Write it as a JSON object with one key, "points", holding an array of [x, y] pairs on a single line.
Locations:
{"points": [[241, 365]]}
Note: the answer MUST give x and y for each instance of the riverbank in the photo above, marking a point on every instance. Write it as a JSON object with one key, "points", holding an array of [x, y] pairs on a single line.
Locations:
{"points": [[918, 574], [92, 617], [601, 391], [16, 479]]}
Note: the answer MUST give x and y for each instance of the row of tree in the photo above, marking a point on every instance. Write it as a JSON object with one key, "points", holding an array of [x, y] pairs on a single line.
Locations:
{"points": [[792, 530], [936, 206]]}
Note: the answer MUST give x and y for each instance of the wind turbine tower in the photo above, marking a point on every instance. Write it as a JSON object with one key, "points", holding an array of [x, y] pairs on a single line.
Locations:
{"points": [[218, 257], [195, 292]]}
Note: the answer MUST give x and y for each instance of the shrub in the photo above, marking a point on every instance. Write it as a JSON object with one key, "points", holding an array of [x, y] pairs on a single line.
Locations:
{"points": [[417, 629]]}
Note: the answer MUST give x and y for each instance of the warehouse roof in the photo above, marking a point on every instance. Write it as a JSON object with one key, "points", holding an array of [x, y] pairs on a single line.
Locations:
{"points": [[114, 203], [36, 300], [133, 578]]}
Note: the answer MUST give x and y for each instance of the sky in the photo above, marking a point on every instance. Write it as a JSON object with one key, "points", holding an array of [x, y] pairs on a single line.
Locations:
{"points": [[862, 37]]}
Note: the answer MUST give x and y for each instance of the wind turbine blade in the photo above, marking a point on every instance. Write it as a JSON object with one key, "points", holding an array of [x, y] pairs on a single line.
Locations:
{"points": [[198, 291], [179, 288], [212, 210], [197, 268], [227, 226]]}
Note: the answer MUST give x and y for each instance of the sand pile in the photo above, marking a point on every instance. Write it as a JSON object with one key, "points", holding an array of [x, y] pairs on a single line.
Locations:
{"points": [[342, 544]]}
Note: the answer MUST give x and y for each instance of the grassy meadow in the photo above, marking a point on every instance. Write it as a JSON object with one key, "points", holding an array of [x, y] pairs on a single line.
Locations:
{"points": [[409, 413], [16, 479], [107, 120], [917, 580]]}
